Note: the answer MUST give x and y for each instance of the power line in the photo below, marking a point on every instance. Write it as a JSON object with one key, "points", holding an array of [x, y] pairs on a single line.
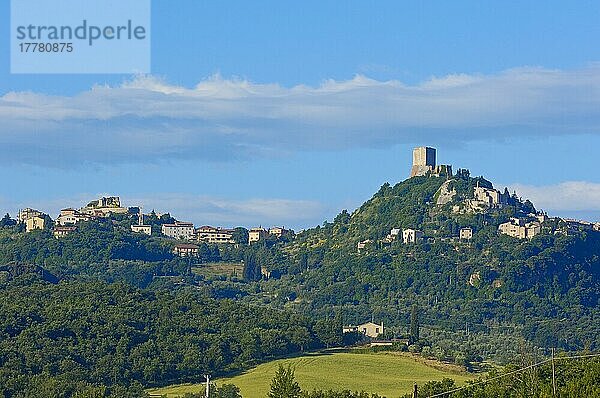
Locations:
{"points": [[488, 380], [513, 372]]}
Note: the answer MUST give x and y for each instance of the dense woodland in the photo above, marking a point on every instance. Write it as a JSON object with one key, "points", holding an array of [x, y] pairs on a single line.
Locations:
{"points": [[542, 291], [107, 310], [64, 337]]}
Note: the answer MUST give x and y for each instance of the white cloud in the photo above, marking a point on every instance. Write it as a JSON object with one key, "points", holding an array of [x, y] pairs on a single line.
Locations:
{"points": [[571, 196], [147, 119], [203, 210]]}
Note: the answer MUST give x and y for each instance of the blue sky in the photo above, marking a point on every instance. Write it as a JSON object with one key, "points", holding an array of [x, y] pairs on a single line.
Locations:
{"points": [[284, 113]]}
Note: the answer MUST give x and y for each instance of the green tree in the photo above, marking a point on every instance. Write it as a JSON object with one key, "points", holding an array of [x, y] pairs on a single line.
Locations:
{"points": [[228, 391], [225, 391], [414, 324], [7, 221], [240, 235], [329, 331], [284, 384], [204, 252], [250, 267], [303, 262], [301, 337]]}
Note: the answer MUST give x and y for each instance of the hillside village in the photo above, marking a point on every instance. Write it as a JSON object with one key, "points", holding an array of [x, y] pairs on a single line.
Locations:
{"points": [[68, 219], [440, 250], [483, 199]]}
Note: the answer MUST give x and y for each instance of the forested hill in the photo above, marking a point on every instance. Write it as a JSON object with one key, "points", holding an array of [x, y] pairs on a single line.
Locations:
{"points": [[105, 308], [545, 288], [413, 204], [93, 339]]}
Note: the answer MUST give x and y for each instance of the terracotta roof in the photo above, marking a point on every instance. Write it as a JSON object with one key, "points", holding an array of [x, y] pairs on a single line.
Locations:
{"points": [[179, 224], [207, 228]]}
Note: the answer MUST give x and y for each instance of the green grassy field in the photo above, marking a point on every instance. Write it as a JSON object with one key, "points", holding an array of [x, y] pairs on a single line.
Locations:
{"points": [[219, 269], [387, 374]]}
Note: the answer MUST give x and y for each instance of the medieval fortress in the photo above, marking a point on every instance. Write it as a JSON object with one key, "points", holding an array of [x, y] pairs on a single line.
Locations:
{"points": [[487, 198], [424, 163]]}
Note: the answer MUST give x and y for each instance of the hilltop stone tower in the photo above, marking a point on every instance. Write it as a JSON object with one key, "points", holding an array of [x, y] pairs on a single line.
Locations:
{"points": [[423, 161], [424, 164]]}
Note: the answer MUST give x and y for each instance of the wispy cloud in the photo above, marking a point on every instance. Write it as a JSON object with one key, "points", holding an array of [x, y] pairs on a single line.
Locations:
{"points": [[147, 119], [252, 212], [566, 198]]}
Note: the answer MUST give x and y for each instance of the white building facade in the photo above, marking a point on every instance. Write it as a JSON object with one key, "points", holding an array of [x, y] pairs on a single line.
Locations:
{"points": [[179, 230]]}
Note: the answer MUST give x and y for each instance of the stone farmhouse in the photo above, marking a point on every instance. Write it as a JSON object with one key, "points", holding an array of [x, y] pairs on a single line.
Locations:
{"points": [[483, 199], [392, 236], [33, 219], [186, 250], [369, 329], [490, 197], [362, 245]]}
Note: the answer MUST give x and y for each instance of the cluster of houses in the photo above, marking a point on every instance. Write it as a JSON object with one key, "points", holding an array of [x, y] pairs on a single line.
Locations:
{"points": [[530, 226], [409, 236], [521, 228], [517, 227], [68, 219], [484, 199], [186, 231], [424, 164], [208, 234]]}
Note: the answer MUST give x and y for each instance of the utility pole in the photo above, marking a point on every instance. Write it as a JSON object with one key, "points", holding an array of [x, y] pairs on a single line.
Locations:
{"points": [[553, 376], [415, 393], [207, 390]]}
